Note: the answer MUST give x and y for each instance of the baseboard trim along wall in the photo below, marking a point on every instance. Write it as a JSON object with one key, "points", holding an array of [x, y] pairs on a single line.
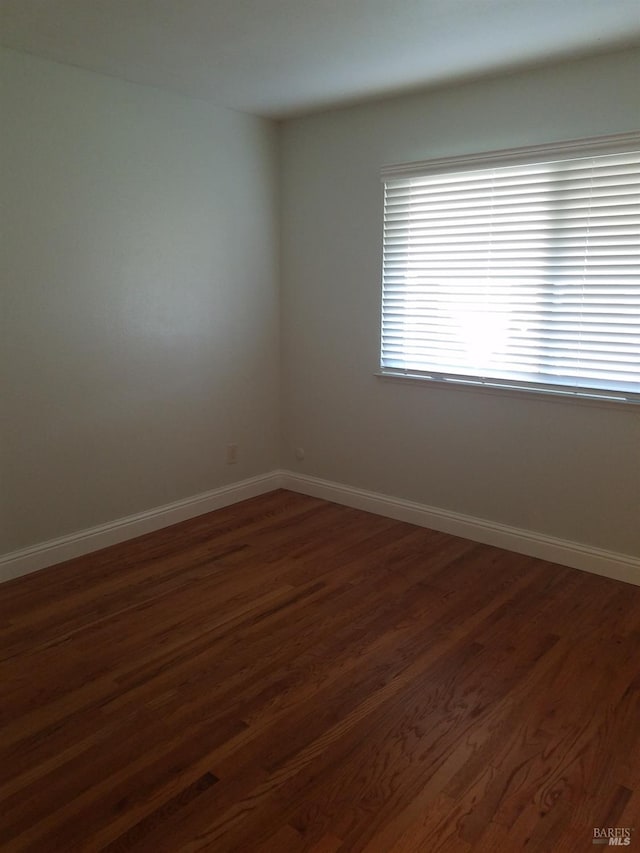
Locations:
{"points": [[45, 554], [623, 567]]}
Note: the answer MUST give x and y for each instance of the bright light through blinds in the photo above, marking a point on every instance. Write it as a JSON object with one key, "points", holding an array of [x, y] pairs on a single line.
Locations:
{"points": [[525, 275]]}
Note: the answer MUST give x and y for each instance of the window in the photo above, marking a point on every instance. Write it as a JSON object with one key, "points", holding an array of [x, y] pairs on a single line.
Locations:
{"points": [[517, 269]]}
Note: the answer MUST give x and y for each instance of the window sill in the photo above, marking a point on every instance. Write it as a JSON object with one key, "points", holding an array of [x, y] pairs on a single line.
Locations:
{"points": [[540, 394]]}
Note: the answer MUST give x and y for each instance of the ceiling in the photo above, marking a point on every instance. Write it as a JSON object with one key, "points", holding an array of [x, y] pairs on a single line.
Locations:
{"points": [[280, 57]]}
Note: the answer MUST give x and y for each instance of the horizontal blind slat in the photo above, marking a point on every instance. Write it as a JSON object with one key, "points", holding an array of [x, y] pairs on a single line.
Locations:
{"points": [[522, 272]]}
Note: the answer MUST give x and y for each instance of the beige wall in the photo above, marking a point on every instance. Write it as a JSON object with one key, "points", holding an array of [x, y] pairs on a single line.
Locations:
{"points": [[561, 468], [138, 298], [139, 307]]}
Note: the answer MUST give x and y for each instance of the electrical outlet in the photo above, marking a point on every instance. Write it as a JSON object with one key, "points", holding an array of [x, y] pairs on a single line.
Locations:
{"points": [[299, 453], [232, 454]]}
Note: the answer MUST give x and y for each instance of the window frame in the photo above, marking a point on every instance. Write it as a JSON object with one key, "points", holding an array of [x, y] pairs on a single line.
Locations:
{"points": [[526, 155]]}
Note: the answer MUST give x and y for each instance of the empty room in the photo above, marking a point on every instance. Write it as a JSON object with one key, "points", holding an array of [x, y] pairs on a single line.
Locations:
{"points": [[319, 425]]}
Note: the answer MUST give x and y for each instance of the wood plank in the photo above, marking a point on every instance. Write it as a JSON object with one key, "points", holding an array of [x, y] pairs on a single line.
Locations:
{"points": [[288, 674]]}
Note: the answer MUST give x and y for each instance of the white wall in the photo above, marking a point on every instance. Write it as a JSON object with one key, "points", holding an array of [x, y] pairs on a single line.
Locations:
{"points": [[560, 468], [139, 307], [138, 298]]}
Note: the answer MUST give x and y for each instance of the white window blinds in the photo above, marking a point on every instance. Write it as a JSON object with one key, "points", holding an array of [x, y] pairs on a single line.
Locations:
{"points": [[520, 269]]}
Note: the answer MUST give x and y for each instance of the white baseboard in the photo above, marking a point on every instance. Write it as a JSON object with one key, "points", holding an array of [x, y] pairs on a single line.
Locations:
{"points": [[623, 567], [45, 554]]}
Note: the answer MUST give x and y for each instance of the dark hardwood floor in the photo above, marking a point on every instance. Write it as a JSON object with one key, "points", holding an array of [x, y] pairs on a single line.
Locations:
{"points": [[291, 675]]}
